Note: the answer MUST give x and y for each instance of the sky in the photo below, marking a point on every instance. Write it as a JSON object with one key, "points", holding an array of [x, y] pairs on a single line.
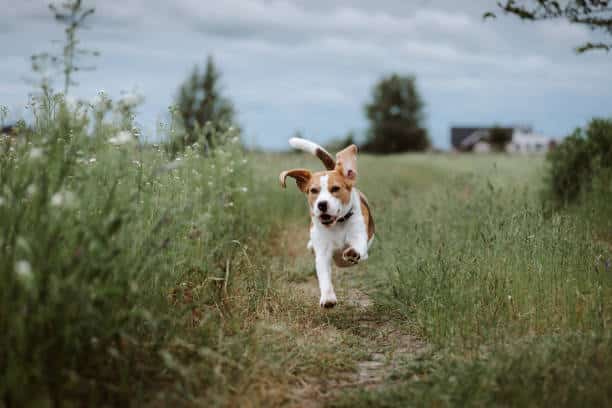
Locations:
{"points": [[310, 65]]}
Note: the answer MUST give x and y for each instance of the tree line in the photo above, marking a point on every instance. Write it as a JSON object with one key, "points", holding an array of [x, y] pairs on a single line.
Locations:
{"points": [[395, 111]]}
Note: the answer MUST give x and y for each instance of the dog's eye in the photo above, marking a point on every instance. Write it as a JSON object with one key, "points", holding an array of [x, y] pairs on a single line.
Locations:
{"points": [[335, 189], [314, 191]]}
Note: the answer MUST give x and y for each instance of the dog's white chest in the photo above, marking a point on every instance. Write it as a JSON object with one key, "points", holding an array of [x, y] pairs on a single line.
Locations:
{"points": [[340, 235]]}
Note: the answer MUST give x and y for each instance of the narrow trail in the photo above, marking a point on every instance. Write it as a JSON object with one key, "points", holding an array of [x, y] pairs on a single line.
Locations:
{"points": [[382, 345], [379, 342]]}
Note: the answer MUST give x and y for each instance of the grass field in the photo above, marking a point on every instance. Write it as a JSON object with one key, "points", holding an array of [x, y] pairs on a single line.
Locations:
{"points": [[133, 278]]}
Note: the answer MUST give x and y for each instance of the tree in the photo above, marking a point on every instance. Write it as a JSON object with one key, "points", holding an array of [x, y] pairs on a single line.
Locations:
{"points": [[593, 14], [396, 117], [200, 101], [71, 14]]}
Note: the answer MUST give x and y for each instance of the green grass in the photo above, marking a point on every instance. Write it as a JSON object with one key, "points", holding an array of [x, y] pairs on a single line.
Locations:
{"points": [[571, 370], [515, 300], [140, 278]]}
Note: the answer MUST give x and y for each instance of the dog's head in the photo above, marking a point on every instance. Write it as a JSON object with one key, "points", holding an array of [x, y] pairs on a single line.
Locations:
{"points": [[328, 192]]}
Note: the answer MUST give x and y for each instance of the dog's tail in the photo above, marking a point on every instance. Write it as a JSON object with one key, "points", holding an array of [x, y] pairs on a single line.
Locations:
{"points": [[310, 147]]}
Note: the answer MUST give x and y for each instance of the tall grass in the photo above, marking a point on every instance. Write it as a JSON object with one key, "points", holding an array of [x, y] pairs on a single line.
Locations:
{"points": [[115, 259], [493, 265], [514, 299]]}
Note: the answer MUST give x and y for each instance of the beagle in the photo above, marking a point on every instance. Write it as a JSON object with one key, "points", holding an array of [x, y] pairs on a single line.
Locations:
{"points": [[342, 227]]}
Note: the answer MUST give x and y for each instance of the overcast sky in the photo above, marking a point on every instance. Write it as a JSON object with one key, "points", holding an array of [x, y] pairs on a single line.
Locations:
{"points": [[310, 65]]}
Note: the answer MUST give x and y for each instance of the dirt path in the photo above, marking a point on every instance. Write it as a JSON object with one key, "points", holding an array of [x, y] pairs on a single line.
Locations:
{"points": [[374, 342]]}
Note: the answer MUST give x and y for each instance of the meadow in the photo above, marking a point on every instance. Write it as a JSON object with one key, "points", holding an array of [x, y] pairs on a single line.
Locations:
{"points": [[133, 276]]}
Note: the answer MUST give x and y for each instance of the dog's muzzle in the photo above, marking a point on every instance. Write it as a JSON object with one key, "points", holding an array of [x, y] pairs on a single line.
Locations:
{"points": [[327, 219]]}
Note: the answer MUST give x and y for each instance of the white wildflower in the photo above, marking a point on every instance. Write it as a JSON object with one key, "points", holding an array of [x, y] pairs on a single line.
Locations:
{"points": [[71, 102], [36, 153], [92, 160], [132, 99], [23, 270], [99, 101], [2, 201], [210, 184], [31, 190], [134, 287], [510, 298], [136, 163], [63, 198], [244, 189], [230, 204], [122, 137]]}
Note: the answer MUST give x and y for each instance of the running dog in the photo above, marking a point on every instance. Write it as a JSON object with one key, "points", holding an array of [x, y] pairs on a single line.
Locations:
{"points": [[342, 227]]}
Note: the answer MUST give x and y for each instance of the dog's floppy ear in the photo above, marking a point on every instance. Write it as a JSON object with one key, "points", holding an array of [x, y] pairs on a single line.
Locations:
{"points": [[301, 176], [346, 162]]}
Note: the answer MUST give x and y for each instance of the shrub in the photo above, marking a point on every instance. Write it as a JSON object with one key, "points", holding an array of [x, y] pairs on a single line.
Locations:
{"points": [[66, 288], [111, 253], [578, 160]]}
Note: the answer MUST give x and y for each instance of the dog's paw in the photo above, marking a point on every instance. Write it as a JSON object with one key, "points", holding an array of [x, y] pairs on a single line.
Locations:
{"points": [[328, 301], [310, 247], [351, 256]]}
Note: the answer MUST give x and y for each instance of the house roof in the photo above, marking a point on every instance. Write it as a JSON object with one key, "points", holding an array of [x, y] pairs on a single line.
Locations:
{"points": [[463, 138]]}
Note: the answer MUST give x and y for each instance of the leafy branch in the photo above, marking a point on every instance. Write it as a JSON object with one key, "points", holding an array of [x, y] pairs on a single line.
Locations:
{"points": [[593, 14]]}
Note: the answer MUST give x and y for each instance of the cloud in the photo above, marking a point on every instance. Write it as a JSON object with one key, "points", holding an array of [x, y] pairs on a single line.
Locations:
{"points": [[290, 64]]}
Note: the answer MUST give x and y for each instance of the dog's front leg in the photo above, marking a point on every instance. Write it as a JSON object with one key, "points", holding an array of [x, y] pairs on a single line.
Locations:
{"points": [[357, 249], [323, 263]]}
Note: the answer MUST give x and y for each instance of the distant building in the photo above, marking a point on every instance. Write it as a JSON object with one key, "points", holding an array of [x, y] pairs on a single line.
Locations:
{"points": [[518, 139], [523, 142]]}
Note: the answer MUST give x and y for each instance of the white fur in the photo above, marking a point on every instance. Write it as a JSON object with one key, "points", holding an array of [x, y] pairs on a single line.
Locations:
{"points": [[303, 144], [326, 240], [335, 207]]}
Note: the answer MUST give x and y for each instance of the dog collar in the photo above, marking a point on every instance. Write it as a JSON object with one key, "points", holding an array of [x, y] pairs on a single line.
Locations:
{"points": [[348, 215]]}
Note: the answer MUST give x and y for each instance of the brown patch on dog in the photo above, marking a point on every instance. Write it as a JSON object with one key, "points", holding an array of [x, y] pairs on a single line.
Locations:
{"points": [[339, 186], [367, 215], [314, 188], [302, 178], [326, 158], [346, 162]]}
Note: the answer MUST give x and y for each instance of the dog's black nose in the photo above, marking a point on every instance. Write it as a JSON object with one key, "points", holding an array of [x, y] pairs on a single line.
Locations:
{"points": [[322, 205]]}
